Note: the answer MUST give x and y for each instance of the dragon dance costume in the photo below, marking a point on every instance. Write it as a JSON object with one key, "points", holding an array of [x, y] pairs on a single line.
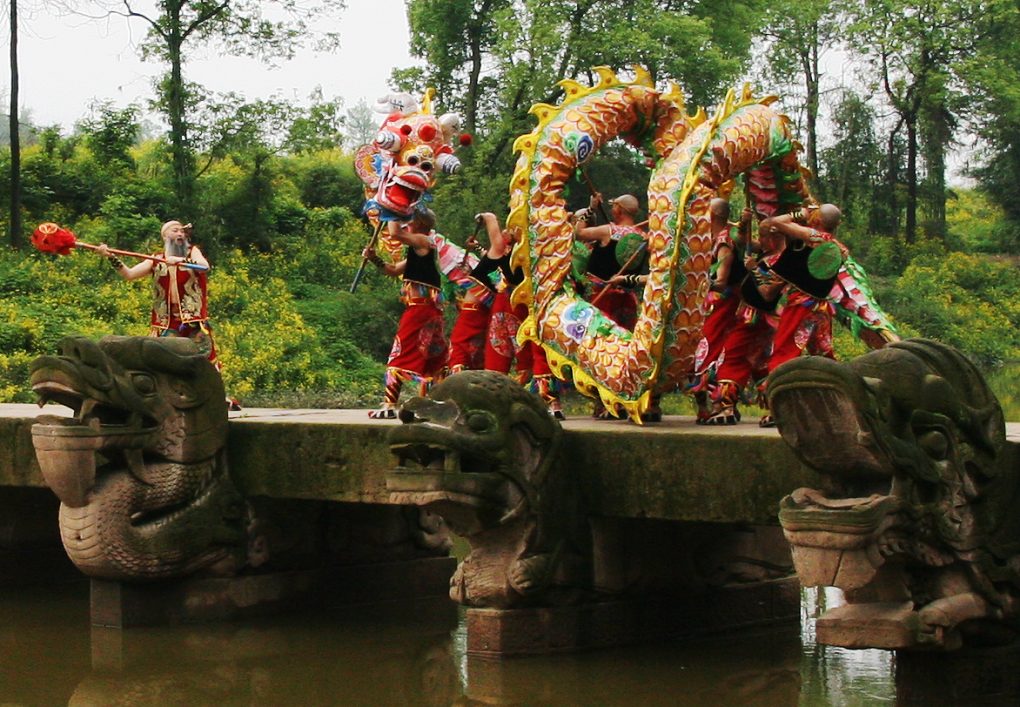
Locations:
{"points": [[420, 350], [471, 276], [745, 346], [180, 305], [502, 348], [723, 305], [805, 320]]}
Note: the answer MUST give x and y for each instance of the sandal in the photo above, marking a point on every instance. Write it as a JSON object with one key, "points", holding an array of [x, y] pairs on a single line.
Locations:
{"points": [[383, 414], [767, 421], [557, 414], [727, 415]]}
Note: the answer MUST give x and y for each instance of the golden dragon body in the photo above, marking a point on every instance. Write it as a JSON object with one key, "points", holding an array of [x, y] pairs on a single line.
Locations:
{"points": [[696, 157]]}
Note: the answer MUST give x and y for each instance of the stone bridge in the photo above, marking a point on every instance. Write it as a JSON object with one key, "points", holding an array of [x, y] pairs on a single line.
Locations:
{"points": [[683, 523]]}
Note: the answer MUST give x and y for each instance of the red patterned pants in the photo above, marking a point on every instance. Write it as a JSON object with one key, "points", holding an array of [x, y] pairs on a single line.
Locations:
{"points": [[468, 338], [501, 347]]}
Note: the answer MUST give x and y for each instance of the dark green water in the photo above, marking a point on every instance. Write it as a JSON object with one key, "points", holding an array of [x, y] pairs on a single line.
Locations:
{"points": [[50, 656]]}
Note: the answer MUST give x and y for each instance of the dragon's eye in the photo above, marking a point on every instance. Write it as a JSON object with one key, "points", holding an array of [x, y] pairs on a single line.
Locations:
{"points": [[143, 383], [426, 166], [479, 421], [412, 160], [935, 445]]}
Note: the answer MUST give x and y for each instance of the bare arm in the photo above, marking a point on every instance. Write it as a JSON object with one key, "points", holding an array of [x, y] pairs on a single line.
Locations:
{"points": [[138, 270], [497, 241], [133, 272], [788, 227], [722, 273], [392, 269], [197, 256], [418, 241], [598, 234]]}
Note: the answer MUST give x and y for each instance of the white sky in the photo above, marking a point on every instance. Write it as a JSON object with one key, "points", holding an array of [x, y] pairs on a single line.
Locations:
{"points": [[67, 62]]}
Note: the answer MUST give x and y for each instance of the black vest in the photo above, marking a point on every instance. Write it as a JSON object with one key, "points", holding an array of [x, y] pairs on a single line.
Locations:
{"points": [[514, 276], [422, 268], [792, 266], [485, 267], [749, 293], [602, 263]]}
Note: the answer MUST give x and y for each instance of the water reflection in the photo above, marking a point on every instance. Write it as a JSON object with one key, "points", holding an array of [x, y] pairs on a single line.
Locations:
{"points": [[44, 643], [49, 656], [839, 676], [371, 657]]}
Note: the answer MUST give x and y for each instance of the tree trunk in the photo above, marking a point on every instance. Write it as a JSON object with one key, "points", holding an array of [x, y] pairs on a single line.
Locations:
{"points": [[15, 128], [934, 136], [471, 99], [810, 60], [911, 226], [891, 181], [184, 177]]}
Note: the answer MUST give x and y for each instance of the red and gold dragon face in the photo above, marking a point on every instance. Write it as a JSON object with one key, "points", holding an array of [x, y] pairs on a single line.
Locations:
{"points": [[400, 165]]}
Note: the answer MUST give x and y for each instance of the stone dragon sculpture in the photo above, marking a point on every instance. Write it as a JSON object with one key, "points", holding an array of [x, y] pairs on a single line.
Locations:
{"points": [[141, 472], [140, 469], [696, 157], [480, 451], [916, 519]]}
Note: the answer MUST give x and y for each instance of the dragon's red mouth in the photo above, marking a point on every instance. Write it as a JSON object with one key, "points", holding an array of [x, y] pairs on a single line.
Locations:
{"points": [[402, 189]]}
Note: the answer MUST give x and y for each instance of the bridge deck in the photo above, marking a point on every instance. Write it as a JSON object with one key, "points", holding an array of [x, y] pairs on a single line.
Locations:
{"points": [[671, 471]]}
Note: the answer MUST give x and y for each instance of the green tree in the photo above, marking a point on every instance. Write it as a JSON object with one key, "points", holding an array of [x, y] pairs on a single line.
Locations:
{"points": [[992, 75], [849, 168], [111, 133], [361, 123], [318, 127], [915, 49], [236, 27], [491, 60], [797, 33]]}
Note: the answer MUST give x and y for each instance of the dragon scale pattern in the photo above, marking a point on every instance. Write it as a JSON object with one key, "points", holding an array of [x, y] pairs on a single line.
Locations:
{"points": [[696, 159]]}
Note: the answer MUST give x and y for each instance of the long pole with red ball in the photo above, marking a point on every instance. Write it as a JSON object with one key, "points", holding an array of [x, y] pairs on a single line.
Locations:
{"points": [[51, 238]]}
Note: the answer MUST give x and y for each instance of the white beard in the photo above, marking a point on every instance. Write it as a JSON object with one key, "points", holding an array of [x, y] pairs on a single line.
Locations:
{"points": [[178, 249]]}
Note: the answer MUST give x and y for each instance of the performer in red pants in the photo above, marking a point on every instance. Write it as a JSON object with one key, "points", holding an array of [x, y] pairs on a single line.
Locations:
{"points": [[808, 266], [420, 350], [502, 347]]}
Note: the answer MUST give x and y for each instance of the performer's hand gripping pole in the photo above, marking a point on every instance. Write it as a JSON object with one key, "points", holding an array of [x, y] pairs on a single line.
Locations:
{"points": [[638, 252], [594, 192], [364, 261], [154, 258]]}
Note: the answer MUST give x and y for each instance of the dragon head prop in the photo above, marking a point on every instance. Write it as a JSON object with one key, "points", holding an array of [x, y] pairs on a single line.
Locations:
{"points": [[412, 146]]}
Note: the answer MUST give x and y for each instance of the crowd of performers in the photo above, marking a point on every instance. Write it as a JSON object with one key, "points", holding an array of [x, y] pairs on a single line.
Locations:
{"points": [[769, 299], [484, 334], [768, 302]]}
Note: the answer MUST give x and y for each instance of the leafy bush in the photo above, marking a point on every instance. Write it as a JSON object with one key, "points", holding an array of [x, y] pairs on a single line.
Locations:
{"points": [[968, 301]]}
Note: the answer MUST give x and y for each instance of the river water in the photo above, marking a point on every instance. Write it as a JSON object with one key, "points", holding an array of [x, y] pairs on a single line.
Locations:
{"points": [[50, 656]]}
